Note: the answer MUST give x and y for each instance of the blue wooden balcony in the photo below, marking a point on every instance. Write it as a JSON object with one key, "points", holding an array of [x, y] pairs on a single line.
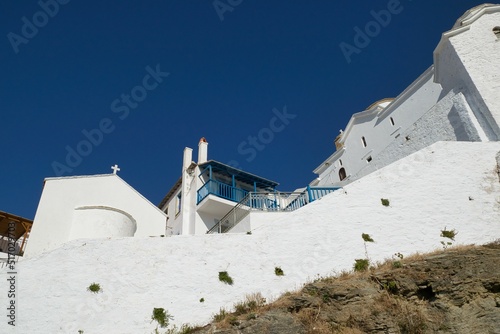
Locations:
{"points": [[222, 190]]}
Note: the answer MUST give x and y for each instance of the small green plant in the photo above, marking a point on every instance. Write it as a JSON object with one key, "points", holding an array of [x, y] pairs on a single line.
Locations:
{"points": [[221, 315], [202, 300], [361, 264], [397, 264], [161, 316], [385, 201], [224, 277], [366, 237], [94, 287], [449, 234], [391, 286], [249, 232], [278, 271], [80, 332]]}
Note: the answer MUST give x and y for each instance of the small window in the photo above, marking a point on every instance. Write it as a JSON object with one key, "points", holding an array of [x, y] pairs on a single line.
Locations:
{"points": [[369, 159], [363, 140], [407, 138], [392, 121], [342, 174], [496, 31], [340, 162], [178, 203]]}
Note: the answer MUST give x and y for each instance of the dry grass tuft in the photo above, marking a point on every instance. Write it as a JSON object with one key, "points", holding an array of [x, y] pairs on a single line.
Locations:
{"points": [[251, 303], [411, 317]]}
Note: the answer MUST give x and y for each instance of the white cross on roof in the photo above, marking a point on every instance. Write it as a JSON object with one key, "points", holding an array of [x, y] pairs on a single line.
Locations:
{"points": [[115, 169]]}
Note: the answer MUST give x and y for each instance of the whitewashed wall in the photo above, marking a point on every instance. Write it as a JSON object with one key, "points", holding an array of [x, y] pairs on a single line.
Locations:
{"points": [[101, 221], [467, 58], [450, 184], [59, 217], [377, 129], [456, 123], [466, 64]]}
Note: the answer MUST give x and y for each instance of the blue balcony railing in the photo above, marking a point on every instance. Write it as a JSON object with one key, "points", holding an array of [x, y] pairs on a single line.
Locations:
{"points": [[223, 190], [315, 193], [275, 201]]}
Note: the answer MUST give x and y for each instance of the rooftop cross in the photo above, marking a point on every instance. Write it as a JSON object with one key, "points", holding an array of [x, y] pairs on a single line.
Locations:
{"points": [[115, 169]]}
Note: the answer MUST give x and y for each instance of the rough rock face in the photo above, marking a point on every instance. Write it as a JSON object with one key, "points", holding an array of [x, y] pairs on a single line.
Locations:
{"points": [[454, 291]]}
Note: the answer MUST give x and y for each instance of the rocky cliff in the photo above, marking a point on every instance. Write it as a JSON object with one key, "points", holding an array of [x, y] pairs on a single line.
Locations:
{"points": [[453, 291]]}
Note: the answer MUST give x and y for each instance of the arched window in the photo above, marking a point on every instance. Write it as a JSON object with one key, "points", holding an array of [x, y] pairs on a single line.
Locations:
{"points": [[342, 174], [363, 140]]}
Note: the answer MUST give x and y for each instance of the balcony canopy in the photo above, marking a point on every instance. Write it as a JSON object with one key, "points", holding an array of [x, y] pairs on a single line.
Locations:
{"points": [[13, 226], [238, 174]]}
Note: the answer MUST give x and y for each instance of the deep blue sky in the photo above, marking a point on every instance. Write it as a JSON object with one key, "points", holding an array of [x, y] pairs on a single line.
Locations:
{"points": [[226, 76]]}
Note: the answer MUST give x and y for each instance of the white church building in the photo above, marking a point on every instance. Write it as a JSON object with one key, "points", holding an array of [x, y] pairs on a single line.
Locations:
{"points": [[95, 206], [456, 99]]}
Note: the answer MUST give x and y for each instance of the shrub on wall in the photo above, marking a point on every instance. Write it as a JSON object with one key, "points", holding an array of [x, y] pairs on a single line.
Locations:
{"points": [[224, 277], [94, 287], [161, 316], [449, 234], [361, 264]]}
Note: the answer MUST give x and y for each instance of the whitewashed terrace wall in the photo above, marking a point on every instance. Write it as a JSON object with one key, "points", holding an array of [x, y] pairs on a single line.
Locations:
{"points": [[449, 184]]}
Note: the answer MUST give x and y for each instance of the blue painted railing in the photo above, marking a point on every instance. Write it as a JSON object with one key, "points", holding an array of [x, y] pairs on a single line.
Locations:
{"points": [[223, 190], [275, 201], [315, 193]]}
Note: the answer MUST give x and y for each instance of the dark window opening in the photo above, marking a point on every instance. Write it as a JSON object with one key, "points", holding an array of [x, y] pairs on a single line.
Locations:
{"points": [[369, 159], [407, 138], [363, 140], [496, 31], [392, 121], [342, 174], [340, 162]]}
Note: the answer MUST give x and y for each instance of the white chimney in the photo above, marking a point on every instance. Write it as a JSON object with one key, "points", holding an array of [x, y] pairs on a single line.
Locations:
{"points": [[202, 150], [187, 158]]}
